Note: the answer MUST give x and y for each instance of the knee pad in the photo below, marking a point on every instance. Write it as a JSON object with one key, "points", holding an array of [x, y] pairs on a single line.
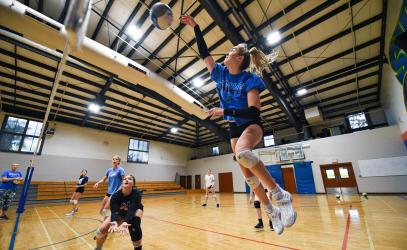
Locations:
{"points": [[71, 201], [253, 182], [137, 245], [106, 212], [75, 202], [135, 230], [247, 158], [99, 234], [256, 204]]}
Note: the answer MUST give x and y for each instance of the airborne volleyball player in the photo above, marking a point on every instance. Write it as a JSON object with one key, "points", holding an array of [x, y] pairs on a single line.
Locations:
{"points": [[239, 94]]}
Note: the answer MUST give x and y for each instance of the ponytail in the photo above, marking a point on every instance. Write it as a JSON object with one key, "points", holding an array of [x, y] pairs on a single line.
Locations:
{"points": [[255, 59]]}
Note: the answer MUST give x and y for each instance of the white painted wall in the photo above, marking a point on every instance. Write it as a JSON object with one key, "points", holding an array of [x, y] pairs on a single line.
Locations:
{"points": [[73, 148], [367, 144], [392, 93]]}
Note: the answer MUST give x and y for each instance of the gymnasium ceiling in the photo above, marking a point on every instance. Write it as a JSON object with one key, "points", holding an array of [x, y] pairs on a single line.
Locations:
{"points": [[333, 49]]}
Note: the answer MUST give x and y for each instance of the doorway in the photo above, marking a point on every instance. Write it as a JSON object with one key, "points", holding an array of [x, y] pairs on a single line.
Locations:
{"points": [[339, 178], [189, 182], [197, 181], [226, 182], [289, 179]]}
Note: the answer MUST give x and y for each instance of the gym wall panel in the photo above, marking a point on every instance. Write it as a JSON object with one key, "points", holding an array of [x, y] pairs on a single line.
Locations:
{"points": [[73, 148], [368, 144]]}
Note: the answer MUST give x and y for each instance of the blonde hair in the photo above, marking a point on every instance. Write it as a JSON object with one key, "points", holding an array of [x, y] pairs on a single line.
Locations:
{"points": [[118, 157], [255, 59]]}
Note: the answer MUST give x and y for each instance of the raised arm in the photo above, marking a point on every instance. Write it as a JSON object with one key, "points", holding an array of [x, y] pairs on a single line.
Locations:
{"points": [[101, 181], [200, 41]]}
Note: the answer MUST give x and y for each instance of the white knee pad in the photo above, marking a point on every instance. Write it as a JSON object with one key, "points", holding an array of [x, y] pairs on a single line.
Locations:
{"points": [[247, 158], [75, 202], [106, 212], [253, 182], [99, 234]]}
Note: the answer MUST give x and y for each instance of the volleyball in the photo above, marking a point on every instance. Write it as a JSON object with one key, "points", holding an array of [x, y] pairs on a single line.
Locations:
{"points": [[161, 15]]}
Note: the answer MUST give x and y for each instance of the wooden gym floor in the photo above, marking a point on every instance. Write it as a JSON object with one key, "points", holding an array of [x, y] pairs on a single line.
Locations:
{"points": [[179, 222]]}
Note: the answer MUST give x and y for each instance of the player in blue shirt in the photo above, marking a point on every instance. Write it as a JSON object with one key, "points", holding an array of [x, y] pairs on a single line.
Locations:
{"points": [[80, 188], [239, 94], [114, 177], [8, 188]]}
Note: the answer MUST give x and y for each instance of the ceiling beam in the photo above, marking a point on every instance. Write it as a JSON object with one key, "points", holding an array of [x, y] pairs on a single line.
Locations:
{"points": [[314, 23], [102, 19], [382, 44], [126, 24], [335, 75], [64, 11]]}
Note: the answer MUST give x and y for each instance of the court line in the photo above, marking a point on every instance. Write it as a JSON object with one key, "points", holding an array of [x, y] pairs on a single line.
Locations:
{"points": [[70, 228], [225, 234], [387, 204], [45, 229], [346, 235], [369, 236]]}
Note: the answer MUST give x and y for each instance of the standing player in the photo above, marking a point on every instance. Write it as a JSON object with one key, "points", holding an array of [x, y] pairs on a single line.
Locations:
{"points": [[210, 187], [239, 96], [8, 188], [80, 188], [127, 211], [256, 203], [114, 177]]}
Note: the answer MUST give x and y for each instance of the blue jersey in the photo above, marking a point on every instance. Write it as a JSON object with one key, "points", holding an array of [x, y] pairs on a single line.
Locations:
{"points": [[114, 179], [233, 89], [10, 185]]}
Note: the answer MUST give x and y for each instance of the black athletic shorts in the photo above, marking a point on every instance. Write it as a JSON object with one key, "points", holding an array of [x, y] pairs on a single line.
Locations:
{"points": [[236, 131], [80, 190], [108, 195], [210, 187]]}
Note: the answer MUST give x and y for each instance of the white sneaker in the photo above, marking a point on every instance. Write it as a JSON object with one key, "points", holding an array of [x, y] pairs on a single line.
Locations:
{"points": [[70, 214], [275, 217], [284, 202]]}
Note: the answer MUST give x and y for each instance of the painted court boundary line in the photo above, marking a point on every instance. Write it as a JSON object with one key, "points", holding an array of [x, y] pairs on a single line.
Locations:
{"points": [[225, 234], [45, 229], [70, 228], [346, 235]]}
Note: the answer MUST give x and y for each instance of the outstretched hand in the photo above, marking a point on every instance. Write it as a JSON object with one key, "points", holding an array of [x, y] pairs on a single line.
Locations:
{"points": [[188, 20], [215, 112], [124, 228], [113, 227]]}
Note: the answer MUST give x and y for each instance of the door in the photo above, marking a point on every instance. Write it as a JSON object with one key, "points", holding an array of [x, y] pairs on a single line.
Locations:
{"points": [[289, 180], [189, 182], [339, 176], [226, 182], [197, 181], [183, 181]]}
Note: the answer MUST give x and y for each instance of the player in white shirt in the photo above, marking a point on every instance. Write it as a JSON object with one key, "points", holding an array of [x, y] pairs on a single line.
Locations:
{"points": [[210, 187]]}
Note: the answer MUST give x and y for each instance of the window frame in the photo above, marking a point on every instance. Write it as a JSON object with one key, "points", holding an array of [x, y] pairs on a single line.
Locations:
{"points": [[368, 121], [24, 134], [148, 151], [264, 141], [212, 149]]}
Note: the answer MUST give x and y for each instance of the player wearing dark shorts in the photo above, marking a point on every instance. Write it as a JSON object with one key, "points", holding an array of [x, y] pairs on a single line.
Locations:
{"points": [[80, 188], [126, 212]]}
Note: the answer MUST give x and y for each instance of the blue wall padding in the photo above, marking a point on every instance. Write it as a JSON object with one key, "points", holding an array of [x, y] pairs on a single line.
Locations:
{"points": [[304, 178], [275, 171]]}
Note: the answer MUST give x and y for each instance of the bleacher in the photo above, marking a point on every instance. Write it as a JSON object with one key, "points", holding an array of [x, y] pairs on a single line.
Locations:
{"points": [[62, 190]]}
